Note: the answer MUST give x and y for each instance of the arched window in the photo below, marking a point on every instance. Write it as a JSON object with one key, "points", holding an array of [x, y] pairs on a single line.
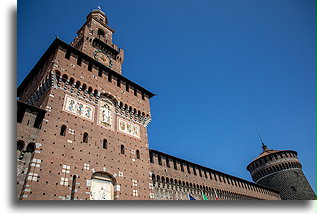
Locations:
{"points": [[104, 144], [137, 154], [30, 148], [58, 75], [95, 92], [85, 137], [77, 84], [71, 81], [73, 190], [163, 179], [84, 87], [64, 78], [122, 149], [63, 130], [20, 145], [101, 33]]}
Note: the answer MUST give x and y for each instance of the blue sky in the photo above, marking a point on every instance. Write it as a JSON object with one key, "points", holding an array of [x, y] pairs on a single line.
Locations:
{"points": [[219, 68]]}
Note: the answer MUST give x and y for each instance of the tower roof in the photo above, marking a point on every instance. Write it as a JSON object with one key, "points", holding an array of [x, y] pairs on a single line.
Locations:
{"points": [[266, 151], [99, 16]]}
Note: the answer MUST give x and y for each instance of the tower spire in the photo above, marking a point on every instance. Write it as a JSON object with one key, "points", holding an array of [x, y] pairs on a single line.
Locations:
{"points": [[264, 147]]}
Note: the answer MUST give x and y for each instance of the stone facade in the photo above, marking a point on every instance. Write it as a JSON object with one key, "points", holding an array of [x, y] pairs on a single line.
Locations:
{"points": [[82, 132]]}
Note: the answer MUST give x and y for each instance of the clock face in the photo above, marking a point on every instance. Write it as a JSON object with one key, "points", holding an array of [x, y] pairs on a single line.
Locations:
{"points": [[103, 58]]}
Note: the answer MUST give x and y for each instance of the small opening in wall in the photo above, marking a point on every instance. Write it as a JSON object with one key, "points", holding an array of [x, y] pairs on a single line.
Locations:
{"points": [[293, 188], [104, 144], [85, 137], [122, 149]]}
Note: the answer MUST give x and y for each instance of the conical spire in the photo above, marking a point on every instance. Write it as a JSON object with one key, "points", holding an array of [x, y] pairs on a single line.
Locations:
{"points": [[264, 147]]}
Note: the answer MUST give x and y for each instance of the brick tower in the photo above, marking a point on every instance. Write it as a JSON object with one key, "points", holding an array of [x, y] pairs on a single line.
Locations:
{"points": [[82, 126], [282, 171]]}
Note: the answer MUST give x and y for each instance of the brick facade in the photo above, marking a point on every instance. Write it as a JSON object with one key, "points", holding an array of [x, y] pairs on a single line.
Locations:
{"points": [[82, 132]]}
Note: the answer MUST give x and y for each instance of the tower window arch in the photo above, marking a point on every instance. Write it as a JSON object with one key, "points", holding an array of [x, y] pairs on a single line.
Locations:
{"points": [[122, 149], [77, 84], [84, 87], [101, 33], [89, 90], [71, 81], [85, 137], [95, 92], [30, 148], [20, 145], [104, 144], [63, 130], [64, 78], [137, 154], [58, 75], [73, 189]]}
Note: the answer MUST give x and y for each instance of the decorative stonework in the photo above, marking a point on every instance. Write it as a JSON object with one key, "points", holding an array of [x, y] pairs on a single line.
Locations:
{"points": [[106, 114], [101, 190], [128, 127], [79, 108], [95, 99]]}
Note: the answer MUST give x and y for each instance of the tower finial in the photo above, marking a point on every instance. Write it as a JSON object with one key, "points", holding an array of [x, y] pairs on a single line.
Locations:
{"points": [[264, 147], [98, 6]]}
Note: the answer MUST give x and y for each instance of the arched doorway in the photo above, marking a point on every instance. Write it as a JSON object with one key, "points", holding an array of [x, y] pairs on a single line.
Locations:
{"points": [[102, 186]]}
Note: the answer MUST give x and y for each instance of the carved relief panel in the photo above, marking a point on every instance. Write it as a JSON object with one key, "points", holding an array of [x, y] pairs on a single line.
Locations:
{"points": [[78, 108], [128, 127], [101, 190], [106, 114]]}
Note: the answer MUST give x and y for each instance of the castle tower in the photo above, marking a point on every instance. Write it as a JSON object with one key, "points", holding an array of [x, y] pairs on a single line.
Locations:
{"points": [[281, 170], [94, 38], [82, 126]]}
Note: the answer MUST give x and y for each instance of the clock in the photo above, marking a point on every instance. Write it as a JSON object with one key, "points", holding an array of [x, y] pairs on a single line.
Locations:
{"points": [[103, 58]]}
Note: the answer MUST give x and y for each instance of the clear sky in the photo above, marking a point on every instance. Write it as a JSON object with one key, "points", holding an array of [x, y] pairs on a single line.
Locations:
{"points": [[219, 68]]}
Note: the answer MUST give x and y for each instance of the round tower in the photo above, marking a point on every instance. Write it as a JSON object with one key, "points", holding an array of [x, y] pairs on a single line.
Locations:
{"points": [[282, 171]]}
